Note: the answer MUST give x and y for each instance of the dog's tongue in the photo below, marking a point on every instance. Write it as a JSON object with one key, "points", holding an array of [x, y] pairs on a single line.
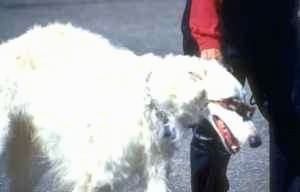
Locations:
{"points": [[220, 124], [229, 139]]}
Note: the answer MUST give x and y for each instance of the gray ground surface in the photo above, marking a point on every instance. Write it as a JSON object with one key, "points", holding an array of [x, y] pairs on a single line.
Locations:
{"points": [[142, 26]]}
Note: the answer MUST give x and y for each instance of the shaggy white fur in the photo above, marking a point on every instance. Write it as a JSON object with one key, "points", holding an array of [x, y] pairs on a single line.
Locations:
{"points": [[93, 107]]}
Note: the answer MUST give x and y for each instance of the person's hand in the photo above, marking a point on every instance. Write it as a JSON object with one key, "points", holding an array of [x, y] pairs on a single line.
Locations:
{"points": [[211, 54]]}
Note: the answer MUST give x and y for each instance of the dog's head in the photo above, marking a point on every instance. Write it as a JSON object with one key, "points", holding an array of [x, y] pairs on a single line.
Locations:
{"points": [[227, 109], [231, 119], [205, 89]]}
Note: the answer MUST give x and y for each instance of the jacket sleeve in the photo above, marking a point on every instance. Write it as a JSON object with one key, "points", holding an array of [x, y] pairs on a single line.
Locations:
{"points": [[204, 23]]}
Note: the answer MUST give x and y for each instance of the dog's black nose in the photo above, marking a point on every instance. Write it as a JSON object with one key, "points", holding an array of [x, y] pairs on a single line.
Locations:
{"points": [[255, 141]]}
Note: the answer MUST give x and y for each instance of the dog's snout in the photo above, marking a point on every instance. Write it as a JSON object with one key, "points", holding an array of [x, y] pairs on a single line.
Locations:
{"points": [[255, 141]]}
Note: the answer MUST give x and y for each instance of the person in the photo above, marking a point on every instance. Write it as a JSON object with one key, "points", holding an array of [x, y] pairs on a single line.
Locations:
{"points": [[262, 46], [208, 157]]}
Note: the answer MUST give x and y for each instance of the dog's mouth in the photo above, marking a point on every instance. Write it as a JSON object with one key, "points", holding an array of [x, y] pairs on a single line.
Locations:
{"points": [[229, 140], [244, 110]]}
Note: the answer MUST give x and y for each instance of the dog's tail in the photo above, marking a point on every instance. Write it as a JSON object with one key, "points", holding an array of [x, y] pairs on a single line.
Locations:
{"points": [[20, 152]]}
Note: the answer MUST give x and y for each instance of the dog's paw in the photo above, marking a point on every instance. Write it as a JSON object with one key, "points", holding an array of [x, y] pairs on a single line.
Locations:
{"points": [[157, 185]]}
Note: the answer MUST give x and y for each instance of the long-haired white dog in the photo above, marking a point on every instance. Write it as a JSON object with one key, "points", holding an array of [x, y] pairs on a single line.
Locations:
{"points": [[99, 114]]}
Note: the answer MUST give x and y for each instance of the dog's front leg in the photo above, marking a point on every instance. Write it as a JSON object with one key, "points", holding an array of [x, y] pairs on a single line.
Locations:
{"points": [[157, 181], [157, 170]]}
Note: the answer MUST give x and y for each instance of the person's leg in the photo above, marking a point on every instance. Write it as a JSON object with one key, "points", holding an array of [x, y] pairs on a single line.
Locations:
{"points": [[259, 84], [200, 167], [209, 161], [280, 175], [284, 138], [272, 76], [221, 161], [209, 171], [268, 45]]}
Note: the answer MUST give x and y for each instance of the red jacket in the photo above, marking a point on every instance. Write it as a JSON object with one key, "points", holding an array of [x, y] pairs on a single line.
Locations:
{"points": [[204, 23]]}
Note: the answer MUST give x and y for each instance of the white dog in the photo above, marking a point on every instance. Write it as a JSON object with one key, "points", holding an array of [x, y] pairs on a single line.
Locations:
{"points": [[100, 114]]}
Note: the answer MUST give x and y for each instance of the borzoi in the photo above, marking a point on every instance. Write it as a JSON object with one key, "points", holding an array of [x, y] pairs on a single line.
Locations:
{"points": [[100, 114]]}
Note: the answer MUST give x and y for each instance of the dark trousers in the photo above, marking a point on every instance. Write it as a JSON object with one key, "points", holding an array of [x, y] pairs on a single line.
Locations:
{"points": [[271, 76], [209, 161]]}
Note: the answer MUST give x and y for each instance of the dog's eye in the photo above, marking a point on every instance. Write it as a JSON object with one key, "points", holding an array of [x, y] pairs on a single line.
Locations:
{"points": [[232, 104], [227, 105], [236, 105], [233, 100], [231, 107]]}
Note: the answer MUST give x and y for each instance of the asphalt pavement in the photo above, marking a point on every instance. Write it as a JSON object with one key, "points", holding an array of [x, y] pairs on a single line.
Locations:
{"points": [[143, 26]]}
